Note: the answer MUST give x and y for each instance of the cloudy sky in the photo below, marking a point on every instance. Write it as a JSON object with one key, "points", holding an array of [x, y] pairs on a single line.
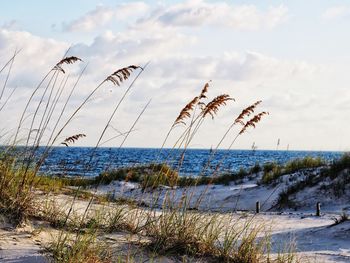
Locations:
{"points": [[293, 55]]}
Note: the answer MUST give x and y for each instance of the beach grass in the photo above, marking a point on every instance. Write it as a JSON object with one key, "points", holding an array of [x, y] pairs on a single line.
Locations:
{"points": [[172, 230]]}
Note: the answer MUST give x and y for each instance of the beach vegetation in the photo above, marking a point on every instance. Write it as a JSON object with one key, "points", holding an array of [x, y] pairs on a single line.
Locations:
{"points": [[83, 218]]}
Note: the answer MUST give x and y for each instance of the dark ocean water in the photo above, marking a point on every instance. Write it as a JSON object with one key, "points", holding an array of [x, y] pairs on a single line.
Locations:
{"points": [[86, 162]]}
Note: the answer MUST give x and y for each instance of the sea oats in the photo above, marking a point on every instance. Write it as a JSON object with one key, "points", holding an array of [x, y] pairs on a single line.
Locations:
{"points": [[213, 107], [253, 121], [186, 111], [246, 113], [66, 60], [121, 75], [72, 139]]}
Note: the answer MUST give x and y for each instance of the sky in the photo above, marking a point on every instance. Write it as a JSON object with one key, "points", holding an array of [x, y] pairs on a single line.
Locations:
{"points": [[292, 55]]}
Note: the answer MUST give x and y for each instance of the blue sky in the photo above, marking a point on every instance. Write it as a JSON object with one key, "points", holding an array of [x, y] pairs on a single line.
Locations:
{"points": [[305, 35], [294, 55], [46, 18]]}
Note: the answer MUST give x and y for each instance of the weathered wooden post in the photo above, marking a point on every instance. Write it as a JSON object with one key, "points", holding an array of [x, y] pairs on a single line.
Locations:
{"points": [[257, 207], [318, 209]]}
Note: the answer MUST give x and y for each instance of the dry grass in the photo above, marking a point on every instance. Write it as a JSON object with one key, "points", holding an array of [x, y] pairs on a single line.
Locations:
{"points": [[186, 111], [16, 202], [72, 139], [66, 60], [79, 249], [121, 75], [253, 121], [212, 108], [173, 230]]}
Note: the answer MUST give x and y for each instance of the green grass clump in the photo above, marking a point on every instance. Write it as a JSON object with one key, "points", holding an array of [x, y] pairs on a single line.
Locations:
{"points": [[149, 176], [307, 162], [339, 174], [255, 169], [335, 177], [162, 174], [338, 166], [49, 183], [16, 196], [79, 249], [181, 232], [273, 171]]}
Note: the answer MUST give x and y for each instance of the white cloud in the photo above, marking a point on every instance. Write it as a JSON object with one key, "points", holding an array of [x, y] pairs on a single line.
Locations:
{"points": [[248, 66], [101, 15], [336, 12], [174, 76], [191, 14], [31, 61], [201, 13]]}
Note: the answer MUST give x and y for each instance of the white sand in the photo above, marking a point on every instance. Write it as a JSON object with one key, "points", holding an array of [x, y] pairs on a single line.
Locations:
{"points": [[315, 238], [20, 245]]}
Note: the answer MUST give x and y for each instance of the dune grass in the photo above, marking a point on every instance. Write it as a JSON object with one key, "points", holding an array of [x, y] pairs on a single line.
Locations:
{"points": [[274, 171], [155, 175], [333, 178], [172, 230], [148, 176], [80, 249], [16, 200]]}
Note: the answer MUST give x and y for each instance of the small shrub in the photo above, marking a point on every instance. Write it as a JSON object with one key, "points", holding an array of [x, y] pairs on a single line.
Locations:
{"points": [[79, 249], [338, 166], [116, 219], [299, 164], [268, 167], [165, 176], [273, 171], [53, 213], [149, 176], [16, 183], [255, 169]]}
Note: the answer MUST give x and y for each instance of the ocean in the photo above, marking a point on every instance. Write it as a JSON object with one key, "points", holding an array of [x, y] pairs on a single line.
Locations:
{"points": [[84, 161]]}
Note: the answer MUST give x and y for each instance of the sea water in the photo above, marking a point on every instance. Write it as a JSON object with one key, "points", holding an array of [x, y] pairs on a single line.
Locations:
{"points": [[85, 161]]}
